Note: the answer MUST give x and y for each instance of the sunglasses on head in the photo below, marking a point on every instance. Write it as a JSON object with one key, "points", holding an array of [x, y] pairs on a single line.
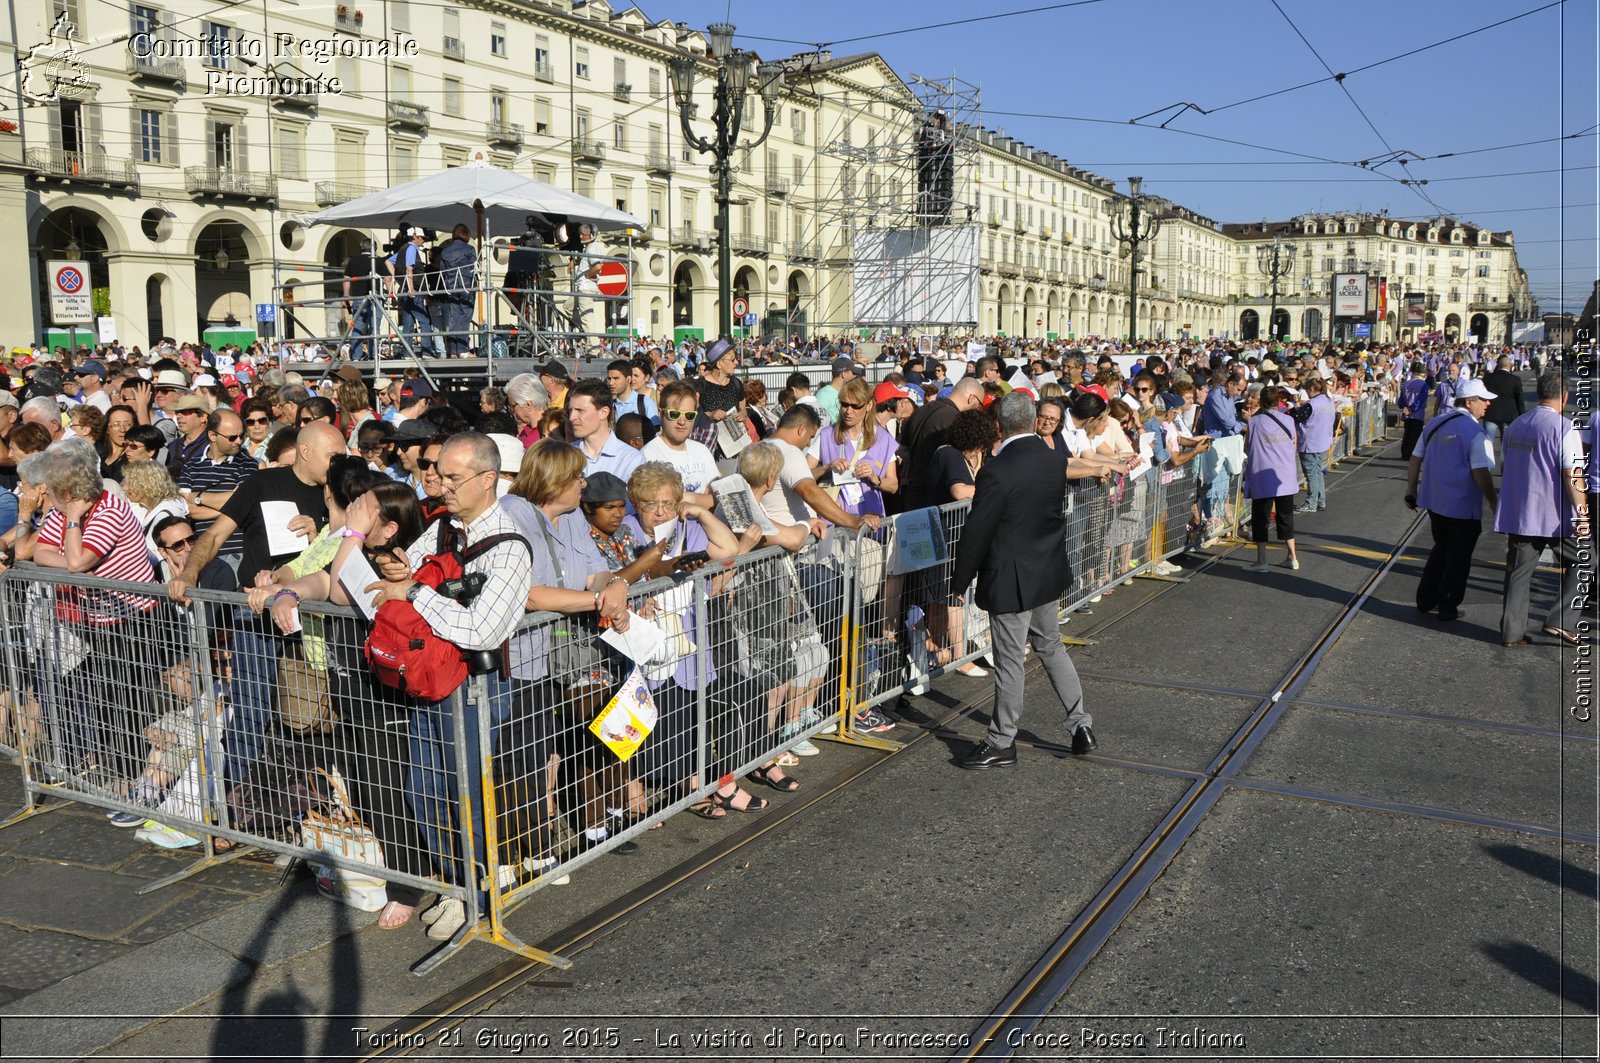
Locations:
{"points": [[678, 415]]}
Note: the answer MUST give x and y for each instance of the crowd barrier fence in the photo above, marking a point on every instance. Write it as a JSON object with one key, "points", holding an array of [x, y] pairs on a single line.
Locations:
{"points": [[208, 720]]}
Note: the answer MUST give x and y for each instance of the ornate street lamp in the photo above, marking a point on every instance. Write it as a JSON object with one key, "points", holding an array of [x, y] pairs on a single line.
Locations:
{"points": [[1133, 225], [732, 85], [1275, 261]]}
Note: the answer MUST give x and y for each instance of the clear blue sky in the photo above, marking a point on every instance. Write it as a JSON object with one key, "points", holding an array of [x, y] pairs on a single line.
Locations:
{"points": [[1530, 79]]}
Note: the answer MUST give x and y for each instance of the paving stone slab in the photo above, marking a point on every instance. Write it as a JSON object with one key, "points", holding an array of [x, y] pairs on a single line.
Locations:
{"points": [[1279, 910], [45, 956], [198, 905], [273, 929], [1526, 778], [89, 841], [79, 900], [243, 875], [79, 1015]]}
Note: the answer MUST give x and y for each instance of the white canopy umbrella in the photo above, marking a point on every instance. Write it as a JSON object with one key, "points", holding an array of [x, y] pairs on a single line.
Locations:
{"points": [[498, 199]]}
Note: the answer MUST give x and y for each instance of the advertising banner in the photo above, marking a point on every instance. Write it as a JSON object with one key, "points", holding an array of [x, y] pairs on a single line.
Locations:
{"points": [[1350, 295], [1416, 313]]}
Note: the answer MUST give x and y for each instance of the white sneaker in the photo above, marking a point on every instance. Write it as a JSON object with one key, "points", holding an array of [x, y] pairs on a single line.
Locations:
{"points": [[1292, 563], [804, 748], [452, 916], [505, 876], [1167, 568], [431, 916], [1259, 567]]}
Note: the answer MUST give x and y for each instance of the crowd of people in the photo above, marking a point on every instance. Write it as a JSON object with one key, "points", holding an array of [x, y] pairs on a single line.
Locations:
{"points": [[555, 497]]}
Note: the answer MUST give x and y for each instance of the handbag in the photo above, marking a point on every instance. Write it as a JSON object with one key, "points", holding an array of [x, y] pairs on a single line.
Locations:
{"points": [[337, 830], [304, 701]]}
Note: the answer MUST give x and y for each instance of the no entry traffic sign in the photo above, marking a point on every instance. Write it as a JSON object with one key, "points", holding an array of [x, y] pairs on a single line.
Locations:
{"points": [[613, 278]]}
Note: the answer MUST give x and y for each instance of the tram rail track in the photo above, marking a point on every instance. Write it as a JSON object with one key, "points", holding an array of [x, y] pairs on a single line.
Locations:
{"points": [[444, 1013]]}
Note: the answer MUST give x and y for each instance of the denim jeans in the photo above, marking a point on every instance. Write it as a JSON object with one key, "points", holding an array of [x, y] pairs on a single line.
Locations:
{"points": [[363, 324], [256, 648], [435, 786], [1314, 465], [455, 317], [416, 323]]}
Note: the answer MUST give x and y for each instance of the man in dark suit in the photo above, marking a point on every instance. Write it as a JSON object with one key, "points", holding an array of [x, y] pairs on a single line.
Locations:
{"points": [[924, 433], [1014, 542], [1508, 403]]}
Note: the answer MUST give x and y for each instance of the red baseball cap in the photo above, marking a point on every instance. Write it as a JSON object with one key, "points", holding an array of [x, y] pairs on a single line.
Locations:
{"points": [[887, 392], [1097, 389]]}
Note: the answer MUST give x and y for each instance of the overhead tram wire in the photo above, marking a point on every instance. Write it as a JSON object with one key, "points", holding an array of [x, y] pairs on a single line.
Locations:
{"points": [[1382, 62]]}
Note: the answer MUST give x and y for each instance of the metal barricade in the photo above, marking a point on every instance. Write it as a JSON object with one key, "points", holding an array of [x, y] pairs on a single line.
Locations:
{"points": [[907, 627], [590, 748], [222, 734]]}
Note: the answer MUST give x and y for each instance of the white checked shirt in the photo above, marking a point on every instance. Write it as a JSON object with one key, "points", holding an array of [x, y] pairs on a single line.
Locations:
{"points": [[492, 616]]}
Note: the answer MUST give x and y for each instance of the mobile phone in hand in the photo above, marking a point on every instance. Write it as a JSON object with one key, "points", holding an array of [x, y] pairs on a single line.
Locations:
{"points": [[690, 562]]}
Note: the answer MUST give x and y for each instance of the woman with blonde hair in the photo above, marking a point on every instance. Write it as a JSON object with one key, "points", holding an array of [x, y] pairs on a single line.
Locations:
{"points": [[857, 455], [152, 495]]}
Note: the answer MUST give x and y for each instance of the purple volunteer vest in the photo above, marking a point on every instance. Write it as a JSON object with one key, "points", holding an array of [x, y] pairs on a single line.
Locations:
{"points": [[1447, 488], [1271, 460], [1533, 496], [1316, 435]]}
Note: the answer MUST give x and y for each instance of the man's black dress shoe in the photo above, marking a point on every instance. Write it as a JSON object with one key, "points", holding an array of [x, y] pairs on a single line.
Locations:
{"points": [[1083, 742], [984, 755]]}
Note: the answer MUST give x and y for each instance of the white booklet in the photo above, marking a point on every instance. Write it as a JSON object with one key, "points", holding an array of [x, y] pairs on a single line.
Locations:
{"points": [[641, 643], [275, 518], [355, 576]]}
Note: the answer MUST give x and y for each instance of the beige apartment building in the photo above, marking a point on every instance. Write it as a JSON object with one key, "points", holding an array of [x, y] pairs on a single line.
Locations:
{"points": [[173, 149]]}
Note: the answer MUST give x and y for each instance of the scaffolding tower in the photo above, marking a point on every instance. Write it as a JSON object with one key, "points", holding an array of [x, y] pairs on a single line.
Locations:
{"points": [[898, 213]]}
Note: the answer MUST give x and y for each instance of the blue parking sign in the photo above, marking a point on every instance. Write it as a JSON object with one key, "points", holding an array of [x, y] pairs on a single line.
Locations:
{"points": [[266, 312]]}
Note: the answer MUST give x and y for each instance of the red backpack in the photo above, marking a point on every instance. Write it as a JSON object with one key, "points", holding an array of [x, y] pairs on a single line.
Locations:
{"points": [[404, 652]]}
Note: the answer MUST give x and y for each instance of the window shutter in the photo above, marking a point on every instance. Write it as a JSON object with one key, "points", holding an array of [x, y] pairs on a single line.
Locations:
{"points": [[211, 142], [169, 137], [93, 135], [241, 147]]}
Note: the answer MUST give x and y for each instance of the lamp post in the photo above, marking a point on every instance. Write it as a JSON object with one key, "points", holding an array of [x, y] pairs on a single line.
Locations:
{"points": [[1275, 261], [732, 84], [1133, 225]]}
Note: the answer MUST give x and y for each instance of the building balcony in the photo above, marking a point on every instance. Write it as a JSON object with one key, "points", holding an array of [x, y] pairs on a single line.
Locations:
{"points": [[660, 163], [1097, 282], [1491, 305], [803, 251], [406, 115], [777, 186], [332, 193], [149, 68], [986, 265], [214, 182], [504, 134], [87, 167], [347, 19], [749, 245], [544, 70], [1075, 279], [622, 92], [1045, 233], [1009, 269], [689, 238], [1054, 276], [1033, 273], [299, 100], [452, 48], [587, 151], [993, 220], [1018, 226]]}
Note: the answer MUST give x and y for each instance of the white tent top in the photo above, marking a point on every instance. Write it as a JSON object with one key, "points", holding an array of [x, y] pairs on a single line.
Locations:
{"points": [[442, 200]]}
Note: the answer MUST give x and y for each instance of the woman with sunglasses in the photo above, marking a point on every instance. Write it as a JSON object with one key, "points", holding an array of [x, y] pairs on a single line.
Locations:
{"points": [[858, 456], [257, 416]]}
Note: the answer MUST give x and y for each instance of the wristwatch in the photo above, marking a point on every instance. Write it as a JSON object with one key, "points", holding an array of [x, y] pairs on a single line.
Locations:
{"points": [[416, 589]]}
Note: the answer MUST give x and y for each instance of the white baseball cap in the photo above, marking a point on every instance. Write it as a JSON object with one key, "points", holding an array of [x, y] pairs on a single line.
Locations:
{"points": [[1475, 389]]}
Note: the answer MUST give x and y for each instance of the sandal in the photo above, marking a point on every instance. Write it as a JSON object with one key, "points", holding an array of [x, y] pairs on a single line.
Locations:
{"points": [[787, 784], [752, 804], [710, 808], [395, 915], [1569, 637]]}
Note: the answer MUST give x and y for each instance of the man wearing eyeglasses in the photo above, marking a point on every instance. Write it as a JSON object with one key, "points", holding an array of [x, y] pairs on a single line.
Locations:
{"points": [[679, 405], [208, 481], [469, 467]]}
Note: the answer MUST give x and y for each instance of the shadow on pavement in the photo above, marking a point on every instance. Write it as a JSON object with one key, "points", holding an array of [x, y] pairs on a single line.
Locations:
{"points": [[1551, 869], [1545, 971]]}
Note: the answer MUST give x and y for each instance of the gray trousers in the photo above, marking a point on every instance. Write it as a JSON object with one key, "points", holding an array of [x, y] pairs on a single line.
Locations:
{"points": [[1010, 631], [1522, 557]]}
